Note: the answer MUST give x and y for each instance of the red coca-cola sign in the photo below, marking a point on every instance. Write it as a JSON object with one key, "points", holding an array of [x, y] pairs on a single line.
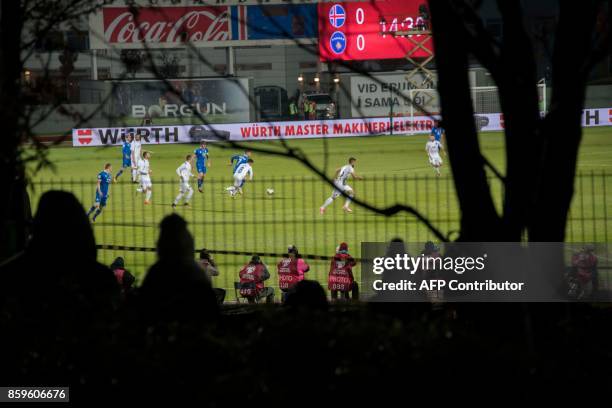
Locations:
{"points": [[165, 25]]}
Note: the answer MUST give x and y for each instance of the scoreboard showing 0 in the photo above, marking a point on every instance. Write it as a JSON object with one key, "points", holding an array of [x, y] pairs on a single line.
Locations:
{"points": [[363, 30]]}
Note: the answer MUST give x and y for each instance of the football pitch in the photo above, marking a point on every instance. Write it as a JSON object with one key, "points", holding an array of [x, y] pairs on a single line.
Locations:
{"points": [[395, 170]]}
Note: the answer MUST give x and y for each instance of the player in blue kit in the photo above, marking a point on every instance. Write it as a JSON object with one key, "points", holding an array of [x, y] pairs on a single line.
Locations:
{"points": [[437, 131], [126, 153], [202, 160], [238, 159], [102, 191]]}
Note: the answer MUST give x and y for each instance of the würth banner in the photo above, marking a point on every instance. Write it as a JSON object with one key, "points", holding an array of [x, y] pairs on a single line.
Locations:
{"points": [[296, 129]]}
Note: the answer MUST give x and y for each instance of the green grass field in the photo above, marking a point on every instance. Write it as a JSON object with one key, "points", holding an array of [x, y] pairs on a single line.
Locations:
{"points": [[395, 170]]}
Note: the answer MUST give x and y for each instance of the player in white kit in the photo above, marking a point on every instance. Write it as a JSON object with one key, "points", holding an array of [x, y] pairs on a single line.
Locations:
{"points": [[144, 171], [433, 148], [136, 156], [184, 173], [342, 175], [240, 176]]}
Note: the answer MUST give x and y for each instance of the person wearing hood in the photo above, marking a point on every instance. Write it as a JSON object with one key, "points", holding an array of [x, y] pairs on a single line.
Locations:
{"points": [[125, 279], [176, 287]]}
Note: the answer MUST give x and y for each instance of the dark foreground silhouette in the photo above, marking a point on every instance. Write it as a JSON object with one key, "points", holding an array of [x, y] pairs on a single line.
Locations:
{"points": [[63, 321]]}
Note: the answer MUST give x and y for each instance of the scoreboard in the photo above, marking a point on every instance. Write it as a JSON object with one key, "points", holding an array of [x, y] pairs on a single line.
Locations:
{"points": [[364, 30]]}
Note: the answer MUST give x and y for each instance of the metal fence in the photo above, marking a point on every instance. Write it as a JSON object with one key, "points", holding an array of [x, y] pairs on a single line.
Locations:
{"points": [[257, 222]]}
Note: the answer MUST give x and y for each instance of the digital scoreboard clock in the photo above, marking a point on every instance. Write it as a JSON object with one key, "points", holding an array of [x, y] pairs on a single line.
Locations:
{"points": [[365, 30]]}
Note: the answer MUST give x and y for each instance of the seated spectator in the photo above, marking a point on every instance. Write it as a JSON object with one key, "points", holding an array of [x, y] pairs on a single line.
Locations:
{"points": [[252, 278], [307, 294], [340, 278], [291, 270], [175, 287], [124, 278], [209, 266]]}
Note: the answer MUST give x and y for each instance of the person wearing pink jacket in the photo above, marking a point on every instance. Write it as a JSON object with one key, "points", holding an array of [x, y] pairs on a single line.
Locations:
{"points": [[302, 266], [291, 270]]}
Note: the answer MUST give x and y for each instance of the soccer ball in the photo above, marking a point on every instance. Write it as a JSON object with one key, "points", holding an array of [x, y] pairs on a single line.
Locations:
{"points": [[269, 191]]}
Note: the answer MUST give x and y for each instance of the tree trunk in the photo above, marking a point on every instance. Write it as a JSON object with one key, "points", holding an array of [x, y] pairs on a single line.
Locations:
{"points": [[518, 95], [561, 130], [479, 219], [13, 205]]}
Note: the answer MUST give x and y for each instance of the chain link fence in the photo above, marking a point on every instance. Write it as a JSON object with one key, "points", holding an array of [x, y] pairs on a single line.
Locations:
{"points": [[257, 222]]}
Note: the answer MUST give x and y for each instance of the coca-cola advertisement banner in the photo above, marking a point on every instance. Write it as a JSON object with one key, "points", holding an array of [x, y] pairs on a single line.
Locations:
{"points": [[296, 129], [158, 27]]}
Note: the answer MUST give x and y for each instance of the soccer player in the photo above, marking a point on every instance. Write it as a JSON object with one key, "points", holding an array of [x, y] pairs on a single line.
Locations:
{"points": [[201, 159], [437, 131], [238, 159], [184, 173], [144, 171], [126, 151], [240, 176], [433, 148], [342, 174], [235, 161], [102, 191], [136, 148]]}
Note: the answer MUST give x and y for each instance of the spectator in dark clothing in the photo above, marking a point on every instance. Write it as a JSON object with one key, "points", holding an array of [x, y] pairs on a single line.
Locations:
{"points": [[124, 278], [59, 264], [175, 287], [56, 300], [307, 294], [210, 268]]}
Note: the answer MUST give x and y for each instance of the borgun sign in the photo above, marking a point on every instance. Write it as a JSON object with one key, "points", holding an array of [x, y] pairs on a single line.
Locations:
{"points": [[365, 30]]}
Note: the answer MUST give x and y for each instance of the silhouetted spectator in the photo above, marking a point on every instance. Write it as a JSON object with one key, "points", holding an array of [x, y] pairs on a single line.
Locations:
{"points": [[59, 264], [124, 278], [175, 287], [307, 294], [56, 300], [210, 267]]}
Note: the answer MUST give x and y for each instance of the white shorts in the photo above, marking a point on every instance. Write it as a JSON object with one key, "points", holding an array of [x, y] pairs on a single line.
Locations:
{"points": [[184, 187], [239, 181], [435, 160], [341, 188], [145, 181]]}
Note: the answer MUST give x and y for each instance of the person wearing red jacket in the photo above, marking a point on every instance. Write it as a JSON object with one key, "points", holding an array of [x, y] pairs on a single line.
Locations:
{"points": [[585, 269], [252, 277], [340, 278]]}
